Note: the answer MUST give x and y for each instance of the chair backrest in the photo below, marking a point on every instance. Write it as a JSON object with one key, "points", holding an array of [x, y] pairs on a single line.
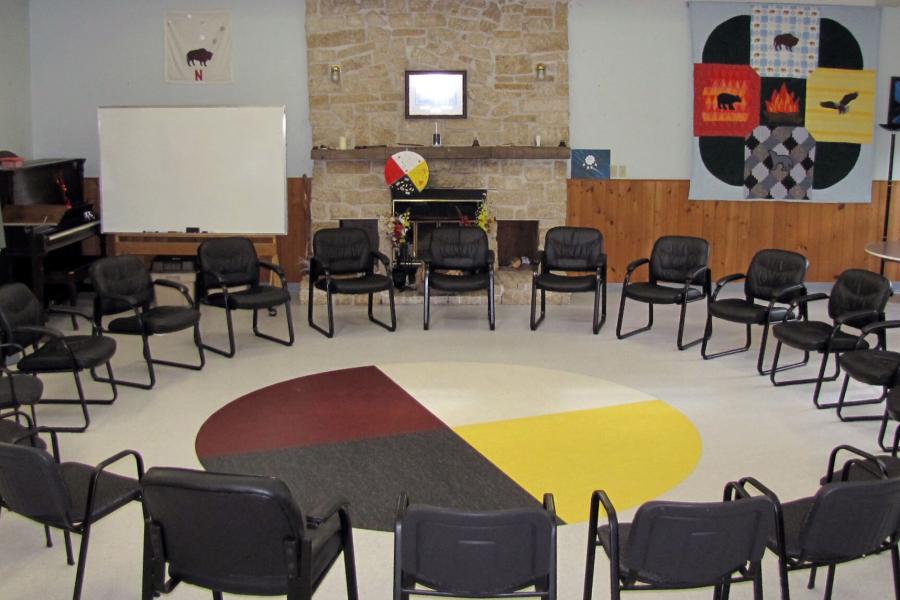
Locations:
{"points": [[345, 249], [772, 269], [697, 544], [220, 531], [31, 485], [234, 258], [850, 519], [19, 307], [122, 275], [459, 248], [475, 553], [573, 248], [675, 257], [859, 289]]}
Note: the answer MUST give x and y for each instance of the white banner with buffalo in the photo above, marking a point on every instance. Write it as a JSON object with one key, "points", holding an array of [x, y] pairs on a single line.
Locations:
{"points": [[198, 46]]}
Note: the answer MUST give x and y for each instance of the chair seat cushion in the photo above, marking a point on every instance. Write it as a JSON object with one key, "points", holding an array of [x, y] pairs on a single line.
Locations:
{"points": [[10, 430], [660, 294], [813, 336], [794, 518], [28, 390], [459, 283], [738, 310], [263, 296], [565, 283], [873, 367], [90, 351], [365, 284], [111, 492], [160, 319]]}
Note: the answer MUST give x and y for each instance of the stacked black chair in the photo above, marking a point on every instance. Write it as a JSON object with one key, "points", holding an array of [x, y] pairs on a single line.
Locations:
{"points": [[229, 279], [843, 521], [64, 495], [680, 545], [503, 553], [464, 252], [123, 283], [239, 534], [857, 299], [774, 278], [682, 262], [576, 249], [23, 322], [344, 262]]}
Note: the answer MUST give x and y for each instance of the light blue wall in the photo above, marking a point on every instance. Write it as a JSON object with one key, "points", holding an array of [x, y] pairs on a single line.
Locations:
{"points": [[15, 93], [90, 53]]}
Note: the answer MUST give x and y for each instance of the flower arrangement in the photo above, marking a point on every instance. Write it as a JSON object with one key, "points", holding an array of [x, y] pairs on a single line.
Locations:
{"points": [[483, 218], [397, 227]]}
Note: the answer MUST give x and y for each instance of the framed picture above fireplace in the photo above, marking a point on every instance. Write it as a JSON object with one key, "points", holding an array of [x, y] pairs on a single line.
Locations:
{"points": [[435, 94]]}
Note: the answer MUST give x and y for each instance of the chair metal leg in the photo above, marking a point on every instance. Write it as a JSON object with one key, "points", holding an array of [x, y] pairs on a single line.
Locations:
{"points": [[290, 325], [393, 324], [84, 401], [535, 323], [309, 314], [217, 595], [48, 537], [492, 317], [895, 567], [811, 582], [682, 345], [589, 570], [82, 559], [776, 369], [649, 324], [757, 582], [599, 305], [829, 581], [842, 403], [707, 334], [783, 578], [67, 538], [426, 318], [883, 429], [231, 347]]}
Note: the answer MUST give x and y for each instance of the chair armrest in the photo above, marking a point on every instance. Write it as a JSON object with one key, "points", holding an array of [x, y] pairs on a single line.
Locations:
{"points": [[696, 273], [69, 310], [16, 349], [101, 467], [322, 513], [845, 470], [32, 431], [598, 498], [880, 325], [635, 264], [383, 259], [723, 281], [220, 281], [131, 301], [271, 266], [318, 266], [178, 286], [784, 294], [804, 299], [856, 315], [41, 329]]}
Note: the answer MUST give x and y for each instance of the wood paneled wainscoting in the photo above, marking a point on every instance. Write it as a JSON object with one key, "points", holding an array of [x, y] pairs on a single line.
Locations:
{"points": [[293, 248], [633, 213]]}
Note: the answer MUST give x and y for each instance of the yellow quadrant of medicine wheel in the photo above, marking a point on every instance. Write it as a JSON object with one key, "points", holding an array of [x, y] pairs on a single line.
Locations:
{"points": [[635, 452]]}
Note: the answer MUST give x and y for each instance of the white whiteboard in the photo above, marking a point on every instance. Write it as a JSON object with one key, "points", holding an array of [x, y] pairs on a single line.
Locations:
{"points": [[221, 169]]}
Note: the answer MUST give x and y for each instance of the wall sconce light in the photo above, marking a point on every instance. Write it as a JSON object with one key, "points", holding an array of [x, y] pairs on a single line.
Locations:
{"points": [[540, 71], [336, 73]]}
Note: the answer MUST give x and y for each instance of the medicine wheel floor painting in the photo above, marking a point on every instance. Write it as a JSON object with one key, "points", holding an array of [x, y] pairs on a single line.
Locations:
{"points": [[464, 435]]}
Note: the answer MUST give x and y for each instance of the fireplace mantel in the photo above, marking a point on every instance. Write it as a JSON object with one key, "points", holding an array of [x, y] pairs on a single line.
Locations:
{"points": [[447, 152]]}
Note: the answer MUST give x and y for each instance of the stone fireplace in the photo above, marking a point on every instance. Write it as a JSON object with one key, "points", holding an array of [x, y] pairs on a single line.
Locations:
{"points": [[499, 44]]}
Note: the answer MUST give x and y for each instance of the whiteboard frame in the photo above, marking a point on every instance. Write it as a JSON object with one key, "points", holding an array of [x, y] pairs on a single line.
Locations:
{"points": [[219, 169]]}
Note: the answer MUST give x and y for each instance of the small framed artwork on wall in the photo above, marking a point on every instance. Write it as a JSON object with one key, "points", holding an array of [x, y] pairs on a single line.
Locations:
{"points": [[893, 116]]}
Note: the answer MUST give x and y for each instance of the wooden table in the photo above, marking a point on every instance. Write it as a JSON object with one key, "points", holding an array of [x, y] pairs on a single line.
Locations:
{"points": [[888, 250]]}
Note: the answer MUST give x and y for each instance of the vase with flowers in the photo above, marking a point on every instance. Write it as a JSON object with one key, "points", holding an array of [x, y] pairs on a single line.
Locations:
{"points": [[397, 226], [483, 218]]}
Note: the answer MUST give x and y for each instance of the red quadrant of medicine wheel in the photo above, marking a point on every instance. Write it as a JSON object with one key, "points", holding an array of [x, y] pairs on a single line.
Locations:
{"points": [[335, 406]]}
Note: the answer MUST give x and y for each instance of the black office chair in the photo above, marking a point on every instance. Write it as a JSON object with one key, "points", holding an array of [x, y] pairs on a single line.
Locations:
{"points": [[443, 552], [239, 534], [462, 250], [571, 249], [64, 495], [23, 322], [123, 283], [230, 263], [774, 278], [680, 545], [675, 259], [843, 521], [18, 390], [857, 299], [16, 427], [875, 365], [346, 253]]}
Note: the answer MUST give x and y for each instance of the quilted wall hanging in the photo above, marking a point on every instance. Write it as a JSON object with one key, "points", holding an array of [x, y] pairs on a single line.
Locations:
{"points": [[784, 101]]}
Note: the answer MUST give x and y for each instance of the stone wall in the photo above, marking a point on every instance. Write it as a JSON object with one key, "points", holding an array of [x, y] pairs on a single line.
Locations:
{"points": [[498, 42]]}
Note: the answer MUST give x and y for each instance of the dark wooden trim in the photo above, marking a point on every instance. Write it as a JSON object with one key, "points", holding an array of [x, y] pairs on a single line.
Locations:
{"points": [[447, 152]]}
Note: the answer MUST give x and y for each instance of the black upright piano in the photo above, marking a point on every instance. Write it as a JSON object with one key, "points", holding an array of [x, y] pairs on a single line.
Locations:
{"points": [[44, 220]]}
